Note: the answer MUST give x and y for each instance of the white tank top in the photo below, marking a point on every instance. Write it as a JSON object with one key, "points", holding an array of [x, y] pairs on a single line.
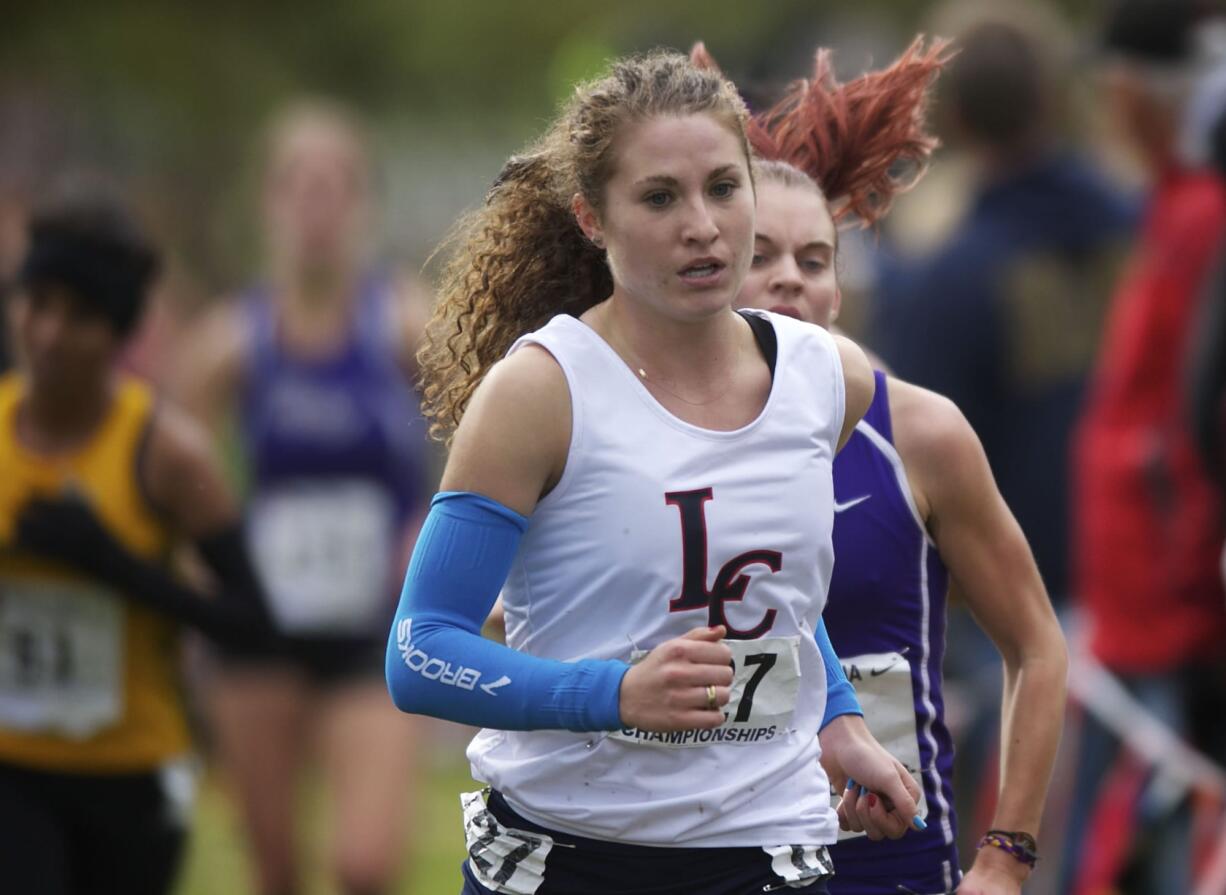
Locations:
{"points": [[657, 527]]}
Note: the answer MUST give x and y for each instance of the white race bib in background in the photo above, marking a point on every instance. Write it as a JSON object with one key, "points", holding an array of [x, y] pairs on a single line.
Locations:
{"points": [[324, 551], [61, 657]]}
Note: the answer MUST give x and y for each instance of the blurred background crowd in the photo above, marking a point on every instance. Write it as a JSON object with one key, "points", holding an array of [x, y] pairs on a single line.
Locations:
{"points": [[1058, 273]]}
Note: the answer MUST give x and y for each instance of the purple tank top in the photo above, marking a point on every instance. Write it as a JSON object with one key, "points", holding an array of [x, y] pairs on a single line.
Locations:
{"points": [[886, 618], [336, 453]]}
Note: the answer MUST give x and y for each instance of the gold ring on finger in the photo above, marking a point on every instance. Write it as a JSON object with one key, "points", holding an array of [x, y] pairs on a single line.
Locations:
{"points": [[711, 703]]}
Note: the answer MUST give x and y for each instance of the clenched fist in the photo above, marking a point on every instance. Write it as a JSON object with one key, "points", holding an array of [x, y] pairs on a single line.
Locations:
{"points": [[668, 689]]}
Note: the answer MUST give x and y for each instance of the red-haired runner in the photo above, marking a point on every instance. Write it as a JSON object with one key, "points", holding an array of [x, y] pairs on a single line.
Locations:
{"points": [[917, 513]]}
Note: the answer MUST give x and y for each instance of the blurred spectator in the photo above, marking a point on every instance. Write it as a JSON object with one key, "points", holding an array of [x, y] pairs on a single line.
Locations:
{"points": [[1148, 526], [1004, 317], [1208, 373], [314, 362]]}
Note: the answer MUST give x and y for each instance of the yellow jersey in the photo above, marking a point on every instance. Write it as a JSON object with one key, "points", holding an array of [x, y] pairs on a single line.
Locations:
{"points": [[89, 683]]}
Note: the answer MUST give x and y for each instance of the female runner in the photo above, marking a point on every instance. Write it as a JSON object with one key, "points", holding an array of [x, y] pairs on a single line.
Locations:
{"points": [[916, 508], [100, 483], [315, 364], [638, 478]]}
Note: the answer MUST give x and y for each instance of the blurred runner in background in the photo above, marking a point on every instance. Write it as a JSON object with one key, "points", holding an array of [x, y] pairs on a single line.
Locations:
{"points": [[100, 481], [315, 364], [1003, 318]]}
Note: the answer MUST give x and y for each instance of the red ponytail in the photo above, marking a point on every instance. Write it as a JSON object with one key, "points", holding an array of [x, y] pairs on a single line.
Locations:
{"points": [[863, 142]]}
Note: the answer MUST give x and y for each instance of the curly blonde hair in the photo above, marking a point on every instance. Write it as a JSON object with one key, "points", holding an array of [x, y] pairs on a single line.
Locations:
{"points": [[521, 258]]}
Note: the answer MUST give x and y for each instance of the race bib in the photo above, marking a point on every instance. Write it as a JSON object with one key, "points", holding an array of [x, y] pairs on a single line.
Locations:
{"points": [[505, 860], [324, 552], [61, 657], [765, 683], [883, 686]]}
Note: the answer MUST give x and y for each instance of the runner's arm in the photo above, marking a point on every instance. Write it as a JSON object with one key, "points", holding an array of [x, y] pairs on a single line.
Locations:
{"points": [[183, 484], [859, 383], [991, 565], [840, 694], [509, 450], [206, 378]]}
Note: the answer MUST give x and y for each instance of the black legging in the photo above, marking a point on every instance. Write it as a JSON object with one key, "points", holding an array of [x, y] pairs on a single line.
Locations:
{"points": [[73, 834]]}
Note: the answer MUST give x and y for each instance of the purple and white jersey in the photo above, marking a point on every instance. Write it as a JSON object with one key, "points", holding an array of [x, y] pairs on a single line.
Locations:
{"points": [[336, 446], [886, 619]]}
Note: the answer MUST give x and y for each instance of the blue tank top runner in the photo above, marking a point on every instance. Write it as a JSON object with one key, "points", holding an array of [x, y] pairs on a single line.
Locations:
{"points": [[336, 447], [886, 618], [353, 413]]}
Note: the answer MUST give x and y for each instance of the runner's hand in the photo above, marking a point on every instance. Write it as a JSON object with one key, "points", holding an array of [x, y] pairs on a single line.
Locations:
{"points": [[66, 529], [667, 690], [882, 804]]}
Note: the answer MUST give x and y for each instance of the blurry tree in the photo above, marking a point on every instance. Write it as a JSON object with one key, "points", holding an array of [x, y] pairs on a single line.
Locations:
{"points": [[170, 97]]}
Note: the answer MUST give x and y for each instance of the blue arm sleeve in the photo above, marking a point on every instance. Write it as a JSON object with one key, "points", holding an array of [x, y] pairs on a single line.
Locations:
{"points": [[840, 694], [439, 664]]}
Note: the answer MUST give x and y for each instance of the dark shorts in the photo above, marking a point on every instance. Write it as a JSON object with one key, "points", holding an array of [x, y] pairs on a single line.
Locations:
{"points": [[579, 866], [932, 882], [919, 862], [324, 661], [72, 834]]}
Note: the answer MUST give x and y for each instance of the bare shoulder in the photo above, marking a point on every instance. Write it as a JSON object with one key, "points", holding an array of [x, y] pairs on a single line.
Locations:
{"points": [[220, 336], [857, 380], [527, 383], [938, 447], [925, 421], [512, 442], [855, 361], [182, 475], [212, 358]]}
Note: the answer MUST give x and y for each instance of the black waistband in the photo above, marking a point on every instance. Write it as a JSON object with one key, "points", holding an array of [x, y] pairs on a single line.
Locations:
{"points": [[600, 867]]}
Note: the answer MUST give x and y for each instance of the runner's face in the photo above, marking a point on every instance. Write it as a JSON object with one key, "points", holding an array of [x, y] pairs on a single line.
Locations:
{"points": [[315, 197], [66, 346], [678, 215], [793, 260]]}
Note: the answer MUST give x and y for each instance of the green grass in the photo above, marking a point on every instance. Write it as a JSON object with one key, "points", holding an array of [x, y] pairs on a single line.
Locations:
{"points": [[217, 860]]}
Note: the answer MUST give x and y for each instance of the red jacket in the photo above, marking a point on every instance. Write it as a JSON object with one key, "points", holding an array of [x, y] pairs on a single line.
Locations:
{"points": [[1147, 523]]}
